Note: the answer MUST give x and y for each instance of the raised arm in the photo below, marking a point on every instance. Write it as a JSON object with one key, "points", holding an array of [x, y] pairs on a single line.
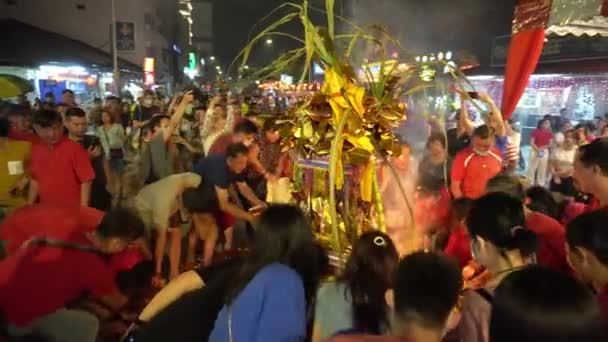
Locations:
{"points": [[465, 125], [496, 114], [177, 116]]}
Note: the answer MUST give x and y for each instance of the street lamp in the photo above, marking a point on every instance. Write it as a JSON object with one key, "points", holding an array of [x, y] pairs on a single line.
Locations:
{"points": [[212, 58], [268, 41], [246, 67], [217, 67]]}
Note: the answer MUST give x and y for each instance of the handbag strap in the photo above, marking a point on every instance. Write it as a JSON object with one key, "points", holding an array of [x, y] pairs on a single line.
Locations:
{"points": [[230, 325], [44, 241]]}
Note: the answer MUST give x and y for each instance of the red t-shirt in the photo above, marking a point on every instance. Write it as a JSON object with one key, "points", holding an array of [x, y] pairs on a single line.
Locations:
{"points": [[473, 171], [459, 246], [44, 220], [542, 138], [59, 171], [39, 280], [23, 136], [221, 144], [551, 234]]}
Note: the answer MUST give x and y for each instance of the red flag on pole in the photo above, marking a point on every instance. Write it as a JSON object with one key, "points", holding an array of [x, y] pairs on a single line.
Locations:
{"points": [[525, 49]]}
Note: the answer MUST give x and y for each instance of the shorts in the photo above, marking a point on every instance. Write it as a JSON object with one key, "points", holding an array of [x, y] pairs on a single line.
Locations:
{"points": [[224, 220]]}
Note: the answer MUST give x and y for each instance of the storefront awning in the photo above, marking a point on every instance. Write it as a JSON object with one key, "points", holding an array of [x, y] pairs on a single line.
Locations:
{"points": [[578, 18], [22, 44]]}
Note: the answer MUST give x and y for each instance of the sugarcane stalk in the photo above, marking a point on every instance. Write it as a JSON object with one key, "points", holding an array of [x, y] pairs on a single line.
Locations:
{"points": [[378, 199], [336, 145]]}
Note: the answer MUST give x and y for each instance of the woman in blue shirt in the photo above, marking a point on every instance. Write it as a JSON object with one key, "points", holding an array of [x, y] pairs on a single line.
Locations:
{"points": [[269, 298]]}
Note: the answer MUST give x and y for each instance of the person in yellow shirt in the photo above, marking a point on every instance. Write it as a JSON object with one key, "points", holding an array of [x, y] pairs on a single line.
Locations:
{"points": [[14, 163]]}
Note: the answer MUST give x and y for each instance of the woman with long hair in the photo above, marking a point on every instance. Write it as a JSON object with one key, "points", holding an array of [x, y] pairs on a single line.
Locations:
{"points": [[112, 137], [270, 295], [501, 243], [355, 301]]}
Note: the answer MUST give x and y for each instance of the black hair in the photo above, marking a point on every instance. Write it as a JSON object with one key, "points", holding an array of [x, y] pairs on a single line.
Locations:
{"points": [[5, 127], [67, 91], [589, 231], [236, 149], [499, 219], [368, 274], [121, 223], [148, 92], [429, 184], [461, 207], [542, 201], [595, 153], [156, 120], [540, 304], [269, 125], [283, 235], [437, 137], [46, 118], [246, 127], [483, 132], [506, 184], [75, 111], [427, 287], [546, 118]]}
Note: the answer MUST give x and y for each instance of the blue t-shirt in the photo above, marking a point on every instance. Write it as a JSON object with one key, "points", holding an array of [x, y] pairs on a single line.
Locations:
{"points": [[272, 307], [501, 145], [214, 172], [333, 310]]}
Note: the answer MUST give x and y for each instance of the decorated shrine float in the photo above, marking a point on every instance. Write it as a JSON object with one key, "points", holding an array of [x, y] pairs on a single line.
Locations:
{"points": [[343, 130]]}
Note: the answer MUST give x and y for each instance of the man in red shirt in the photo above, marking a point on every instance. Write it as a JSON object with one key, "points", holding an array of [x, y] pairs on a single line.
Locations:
{"points": [[474, 166], [587, 238], [244, 132], [42, 276], [551, 233], [423, 301], [591, 172], [60, 168]]}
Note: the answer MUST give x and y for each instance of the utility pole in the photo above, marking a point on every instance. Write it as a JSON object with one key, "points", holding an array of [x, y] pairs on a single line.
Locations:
{"points": [[115, 74]]}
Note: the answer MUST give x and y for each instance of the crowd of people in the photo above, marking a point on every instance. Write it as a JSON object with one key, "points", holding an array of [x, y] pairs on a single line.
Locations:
{"points": [[98, 204]]}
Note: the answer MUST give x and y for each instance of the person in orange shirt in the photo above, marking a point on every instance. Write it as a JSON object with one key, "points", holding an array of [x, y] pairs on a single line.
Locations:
{"points": [[474, 166]]}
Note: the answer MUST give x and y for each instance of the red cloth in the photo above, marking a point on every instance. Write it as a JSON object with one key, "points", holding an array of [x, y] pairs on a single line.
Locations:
{"points": [[221, 144], [551, 252], [524, 52], [542, 138], [24, 136], [60, 171], [37, 281], [459, 246], [44, 220], [474, 171]]}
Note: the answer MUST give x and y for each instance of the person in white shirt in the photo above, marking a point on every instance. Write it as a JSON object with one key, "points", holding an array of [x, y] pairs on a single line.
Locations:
{"points": [[158, 205], [561, 164]]}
